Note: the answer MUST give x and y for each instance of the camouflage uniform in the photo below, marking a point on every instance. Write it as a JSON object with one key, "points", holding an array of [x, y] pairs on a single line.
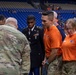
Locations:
{"points": [[14, 52], [69, 68], [55, 67]]}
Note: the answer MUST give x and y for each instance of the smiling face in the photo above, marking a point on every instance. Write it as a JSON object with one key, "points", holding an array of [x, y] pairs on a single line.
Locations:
{"points": [[69, 29], [47, 19], [70, 26]]}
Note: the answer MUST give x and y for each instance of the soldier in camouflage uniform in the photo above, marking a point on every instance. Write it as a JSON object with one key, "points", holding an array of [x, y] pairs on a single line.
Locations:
{"points": [[14, 50]]}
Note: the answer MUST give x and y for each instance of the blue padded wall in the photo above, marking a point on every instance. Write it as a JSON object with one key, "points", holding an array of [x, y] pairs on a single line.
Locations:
{"points": [[21, 15]]}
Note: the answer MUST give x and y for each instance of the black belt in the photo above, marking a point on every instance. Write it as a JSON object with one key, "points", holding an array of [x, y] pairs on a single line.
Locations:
{"points": [[68, 61]]}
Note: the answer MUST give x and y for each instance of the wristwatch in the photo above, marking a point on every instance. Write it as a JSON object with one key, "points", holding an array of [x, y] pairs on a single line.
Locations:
{"points": [[46, 62]]}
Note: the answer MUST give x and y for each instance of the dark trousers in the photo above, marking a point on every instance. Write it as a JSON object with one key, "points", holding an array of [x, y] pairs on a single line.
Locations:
{"points": [[34, 71], [44, 71]]}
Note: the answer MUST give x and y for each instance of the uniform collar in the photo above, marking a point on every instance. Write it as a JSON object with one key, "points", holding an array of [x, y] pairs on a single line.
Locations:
{"points": [[32, 28]]}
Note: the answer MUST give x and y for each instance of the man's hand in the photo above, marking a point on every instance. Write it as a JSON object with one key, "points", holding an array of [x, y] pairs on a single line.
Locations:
{"points": [[43, 62]]}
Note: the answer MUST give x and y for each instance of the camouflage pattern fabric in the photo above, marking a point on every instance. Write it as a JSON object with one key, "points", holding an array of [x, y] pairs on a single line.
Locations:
{"points": [[14, 52], [7, 69], [69, 68], [54, 67]]}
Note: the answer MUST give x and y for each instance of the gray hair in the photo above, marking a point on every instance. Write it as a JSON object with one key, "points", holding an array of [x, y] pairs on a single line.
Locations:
{"points": [[11, 22], [55, 14], [71, 22], [11, 19]]}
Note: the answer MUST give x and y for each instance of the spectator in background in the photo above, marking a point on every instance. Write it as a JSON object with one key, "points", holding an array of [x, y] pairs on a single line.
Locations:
{"points": [[14, 50], [41, 4], [49, 7], [32, 3], [63, 37], [52, 42], [69, 48], [58, 26], [2, 19], [35, 36], [58, 8], [74, 18]]}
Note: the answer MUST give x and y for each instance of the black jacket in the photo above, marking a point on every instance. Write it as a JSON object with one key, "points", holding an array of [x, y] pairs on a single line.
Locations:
{"points": [[36, 43]]}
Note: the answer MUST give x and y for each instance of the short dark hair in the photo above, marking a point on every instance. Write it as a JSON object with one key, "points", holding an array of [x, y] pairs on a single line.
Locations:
{"points": [[30, 17], [50, 14], [2, 17], [47, 12]]}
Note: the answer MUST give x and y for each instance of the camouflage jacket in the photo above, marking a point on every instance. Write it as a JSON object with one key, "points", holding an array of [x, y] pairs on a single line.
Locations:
{"points": [[14, 51]]}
